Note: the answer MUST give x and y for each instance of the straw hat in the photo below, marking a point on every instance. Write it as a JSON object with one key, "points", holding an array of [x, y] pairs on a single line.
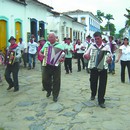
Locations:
{"points": [[41, 39]]}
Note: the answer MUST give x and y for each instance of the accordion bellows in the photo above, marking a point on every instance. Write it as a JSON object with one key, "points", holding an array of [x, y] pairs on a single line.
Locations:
{"points": [[52, 55], [98, 59]]}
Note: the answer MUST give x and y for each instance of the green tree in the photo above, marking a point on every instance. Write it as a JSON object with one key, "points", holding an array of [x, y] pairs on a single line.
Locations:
{"points": [[121, 33], [108, 17], [127, 24], [112, 28], [100, 15]]}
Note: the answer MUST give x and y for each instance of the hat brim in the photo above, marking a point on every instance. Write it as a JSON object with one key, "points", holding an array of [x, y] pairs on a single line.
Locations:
{"points": [[11, 39], [41, 40]]}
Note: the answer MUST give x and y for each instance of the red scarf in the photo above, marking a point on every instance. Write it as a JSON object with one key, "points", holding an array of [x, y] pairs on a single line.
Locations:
{"points": [[13, 46]]}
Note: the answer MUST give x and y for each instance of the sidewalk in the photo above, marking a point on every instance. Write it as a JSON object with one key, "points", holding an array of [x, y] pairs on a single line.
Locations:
{"points": [[29, 109]]}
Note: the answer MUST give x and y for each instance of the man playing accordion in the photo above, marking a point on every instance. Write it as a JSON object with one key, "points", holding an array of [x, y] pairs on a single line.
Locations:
{"points": [[12, 61], [97, 72], [51, 69]]}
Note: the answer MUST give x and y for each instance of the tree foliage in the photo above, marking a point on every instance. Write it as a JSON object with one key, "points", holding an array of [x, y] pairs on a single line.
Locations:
{"points": [[109, 26], [112, 28], [100, 15]]}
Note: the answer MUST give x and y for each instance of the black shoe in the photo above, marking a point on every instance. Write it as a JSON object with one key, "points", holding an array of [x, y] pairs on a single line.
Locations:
{"points": [[10, 86], [92, 97], [43, 89], [109, 72], [29, 68], [102, 105], [78, 70], [113, 72], [55, 99], [67, 73], [48, 94], [15, 90], [123, 81]]}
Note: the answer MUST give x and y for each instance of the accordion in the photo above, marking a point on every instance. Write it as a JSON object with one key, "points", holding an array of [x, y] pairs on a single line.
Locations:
{"points": [[52, 55], [98, 59], [2, 59], [9, 55]]}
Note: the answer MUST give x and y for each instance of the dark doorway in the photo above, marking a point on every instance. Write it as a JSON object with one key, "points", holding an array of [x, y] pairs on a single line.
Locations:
{"points": [[41, 29], [34, 28]]}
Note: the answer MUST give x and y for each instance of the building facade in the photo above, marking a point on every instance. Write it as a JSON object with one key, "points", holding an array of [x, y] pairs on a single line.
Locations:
{"points": [[66, 26], [22, 18], [86, 17]]}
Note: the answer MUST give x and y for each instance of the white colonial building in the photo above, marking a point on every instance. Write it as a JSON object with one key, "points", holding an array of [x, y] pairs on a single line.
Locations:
{"points": [[66, 26], [86, 17], [21, 18]]}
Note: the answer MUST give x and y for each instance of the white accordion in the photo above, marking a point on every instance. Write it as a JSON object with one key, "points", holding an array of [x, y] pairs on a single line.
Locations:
{"points": [[98, 59], [52, 56]]}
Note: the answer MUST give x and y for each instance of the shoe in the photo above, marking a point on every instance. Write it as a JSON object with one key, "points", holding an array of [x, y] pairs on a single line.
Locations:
{"points": [[15, 90], [113, 72], [10, 86], [78, 70], [55, 99], [29, 68], [123, 81], [109, 72], [48, 94], [102, 105], [43, 89], [92, 97], [67, 73]]}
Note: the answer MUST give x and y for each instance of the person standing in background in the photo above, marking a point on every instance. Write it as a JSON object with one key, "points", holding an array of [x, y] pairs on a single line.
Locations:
{"points": [[68, 56], [80, 49], [113, 47], [124, 57], [23, 48], [32, 50], [87, 45], [42, 41]]}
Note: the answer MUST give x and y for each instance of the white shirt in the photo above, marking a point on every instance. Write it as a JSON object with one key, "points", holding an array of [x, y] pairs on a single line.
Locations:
{"points": [[113, 43], [32, 47], [79, 47], [69, 48], [22, 46], [92, 46], [125, 53]]}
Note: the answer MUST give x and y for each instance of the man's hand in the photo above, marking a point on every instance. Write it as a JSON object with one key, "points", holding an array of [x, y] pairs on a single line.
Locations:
{"points": [[109, 60], [12, 57], [116, 61], [87, 56], [83, 48], [41, 54], [62, 59]]}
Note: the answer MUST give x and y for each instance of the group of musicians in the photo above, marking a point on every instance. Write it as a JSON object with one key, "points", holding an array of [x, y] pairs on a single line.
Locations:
{"points": [[51, 74]]}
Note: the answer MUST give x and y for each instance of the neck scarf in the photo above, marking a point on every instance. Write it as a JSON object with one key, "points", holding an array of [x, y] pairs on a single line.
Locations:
{"points": [[13, 46]]}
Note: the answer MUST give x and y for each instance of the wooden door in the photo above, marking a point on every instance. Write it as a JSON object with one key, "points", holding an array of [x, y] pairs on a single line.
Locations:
{"points": [[3, 35], [18, 31]]}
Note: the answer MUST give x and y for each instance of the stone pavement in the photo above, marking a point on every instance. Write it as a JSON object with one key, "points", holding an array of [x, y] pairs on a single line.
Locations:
{"points": [[29, 109]]}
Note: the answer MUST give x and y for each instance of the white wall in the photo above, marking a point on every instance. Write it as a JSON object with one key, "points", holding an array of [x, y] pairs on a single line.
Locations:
{"points": [[13, 10]]}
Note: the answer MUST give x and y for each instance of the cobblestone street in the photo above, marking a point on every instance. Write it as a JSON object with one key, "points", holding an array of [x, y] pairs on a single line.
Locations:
{"points": [[29, 109]]}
